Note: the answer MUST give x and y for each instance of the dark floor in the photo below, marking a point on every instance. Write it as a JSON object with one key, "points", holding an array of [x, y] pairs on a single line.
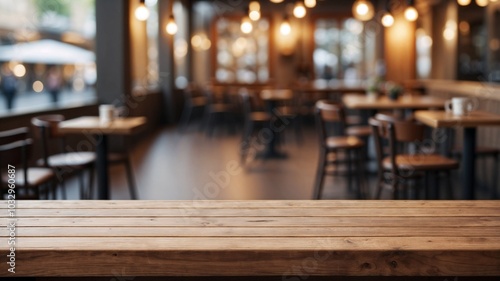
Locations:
{"points": [[170, 165]]}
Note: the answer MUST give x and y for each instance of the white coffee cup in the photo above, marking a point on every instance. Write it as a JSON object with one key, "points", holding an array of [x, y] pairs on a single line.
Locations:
{"points": [[106, 113], [459, 106]]}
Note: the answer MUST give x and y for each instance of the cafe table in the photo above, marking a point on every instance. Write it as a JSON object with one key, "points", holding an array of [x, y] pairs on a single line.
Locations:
{"points": [[91, 126], [273, 98], [442, 119], [364, 102]]}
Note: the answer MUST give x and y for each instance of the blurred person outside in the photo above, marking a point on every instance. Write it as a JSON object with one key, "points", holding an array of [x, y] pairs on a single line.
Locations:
{"points": [[54, 83], [8, 86]]}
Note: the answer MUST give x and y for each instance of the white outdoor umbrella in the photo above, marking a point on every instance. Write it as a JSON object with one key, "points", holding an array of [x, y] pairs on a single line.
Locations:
{"points": [[46, 51]]}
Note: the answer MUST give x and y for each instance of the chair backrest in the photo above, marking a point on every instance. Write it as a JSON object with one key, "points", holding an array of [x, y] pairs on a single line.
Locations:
{"points": [[15, 150], [330, 117], [394, 132], [47, 130]]}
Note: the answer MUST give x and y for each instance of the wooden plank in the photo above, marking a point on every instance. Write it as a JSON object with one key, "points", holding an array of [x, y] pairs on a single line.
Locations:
{"points": [[165, 231], [257, 243], [262, 221], [296, 265], [247, 204], [263, 212]]}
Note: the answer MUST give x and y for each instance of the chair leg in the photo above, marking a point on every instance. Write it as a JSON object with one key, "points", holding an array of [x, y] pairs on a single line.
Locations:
{"points": [[90, 191], [63, 190], [83, 192], [186, 115], [245, 144], [362, 193], [320, 176], [449, 185], [349, 170], [494, 182], [131, 180], [380, 181], [395, 186]]}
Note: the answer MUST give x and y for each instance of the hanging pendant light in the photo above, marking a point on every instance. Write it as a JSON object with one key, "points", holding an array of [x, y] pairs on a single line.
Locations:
{"points": [[299, 11], [482, 3], [142, 12], [387, 19], [246, 25], [171, 27], [363, 10], [310, 3], [463, 2], [411, 14], [285, 28], [276, 1]]}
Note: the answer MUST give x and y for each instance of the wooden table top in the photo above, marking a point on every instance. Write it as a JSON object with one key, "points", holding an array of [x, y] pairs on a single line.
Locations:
{"points": [[276, 94], [439, 119], [89, 124], [356, 101], [249, 238], [337, 86]]}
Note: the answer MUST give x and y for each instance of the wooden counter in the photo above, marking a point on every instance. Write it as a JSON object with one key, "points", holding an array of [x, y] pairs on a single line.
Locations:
{"points": [[255, 238]]}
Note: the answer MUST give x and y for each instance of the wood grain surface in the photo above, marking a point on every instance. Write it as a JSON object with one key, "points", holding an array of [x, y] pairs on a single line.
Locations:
{"points": [[291, 239]]}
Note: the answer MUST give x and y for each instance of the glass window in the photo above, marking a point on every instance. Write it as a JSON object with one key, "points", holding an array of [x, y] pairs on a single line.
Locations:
{"points": [[343, 50], [46, 54], [242, 57]]}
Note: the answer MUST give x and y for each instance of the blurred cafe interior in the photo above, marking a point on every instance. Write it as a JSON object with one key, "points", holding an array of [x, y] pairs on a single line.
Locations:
{"points": [[237, 99]]}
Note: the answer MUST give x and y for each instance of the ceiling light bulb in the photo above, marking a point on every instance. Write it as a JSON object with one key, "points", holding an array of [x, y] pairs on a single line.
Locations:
{"points": [[482, 3], [363, 10], [276, 1], [246, 25], [299, 11], [310, 3], [171, 26], [285, 27], [411, 14], [463, 2], [387, 19], [142, 12], [254, 15]]}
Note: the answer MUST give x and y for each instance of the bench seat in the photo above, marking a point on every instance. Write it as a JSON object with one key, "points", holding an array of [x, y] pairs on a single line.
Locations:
{"points": [[255, 238]]}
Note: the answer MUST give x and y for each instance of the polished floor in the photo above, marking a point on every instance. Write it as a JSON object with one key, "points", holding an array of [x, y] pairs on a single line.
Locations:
{"points": [[173, 165]]}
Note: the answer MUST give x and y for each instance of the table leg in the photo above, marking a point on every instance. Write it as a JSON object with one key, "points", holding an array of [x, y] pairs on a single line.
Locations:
{"points": [[102, 168], [469, 160], [271, 150]]}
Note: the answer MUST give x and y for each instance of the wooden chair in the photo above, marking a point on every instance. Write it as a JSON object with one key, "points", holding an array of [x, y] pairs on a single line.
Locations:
{"points": [[397, 165], [193, 101], [64, 163], [221, 108], [331, 113], [255, 117], [15, 151]]}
